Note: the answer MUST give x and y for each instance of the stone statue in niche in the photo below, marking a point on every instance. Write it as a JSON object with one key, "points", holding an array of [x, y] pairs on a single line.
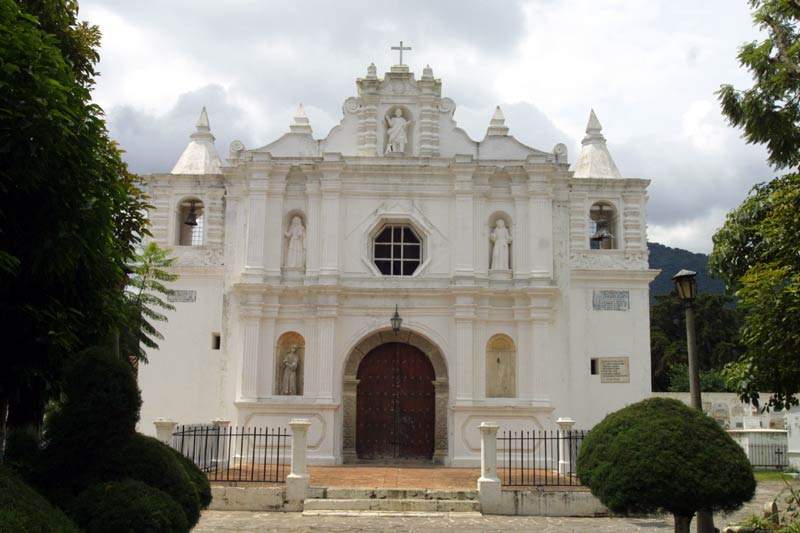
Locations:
{"points": [[396, 131], [501, 372], [290, 365], [501, 239], [296, 250]]}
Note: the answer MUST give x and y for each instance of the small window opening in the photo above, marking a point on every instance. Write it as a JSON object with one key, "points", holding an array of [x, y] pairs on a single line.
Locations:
{"points": [[216, 341], [190, 223], [593, 367], [602, 227]]}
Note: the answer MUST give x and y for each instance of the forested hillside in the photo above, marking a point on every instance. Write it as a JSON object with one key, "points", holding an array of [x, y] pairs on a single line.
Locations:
{"points": [[671, 260]]}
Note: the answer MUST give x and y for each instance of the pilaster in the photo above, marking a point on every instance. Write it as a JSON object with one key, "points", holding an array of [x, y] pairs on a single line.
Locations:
{"points": [[256, 219], [314, 218], [521, 242], [541, 227], [266, 363], [331, 188], [250, 309], [273, 239], [463, 169], [327, 311], [464, 307]]}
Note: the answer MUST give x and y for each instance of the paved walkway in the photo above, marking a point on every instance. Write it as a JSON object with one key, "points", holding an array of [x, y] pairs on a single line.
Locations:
{"points": [[228, 521]]}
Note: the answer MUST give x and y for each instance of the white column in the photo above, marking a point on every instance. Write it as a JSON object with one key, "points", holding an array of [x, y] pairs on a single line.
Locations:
{"points": [[541, 228], [326, 344], [542, 368], [297, 480], [250, 314], [266, 363], [520, 244], [164, 430], [273, 233], [256, 220], [525, 377], [565, 459], [313, 243], [331, 187], [489, 483], [465, 219], [465, 345]]}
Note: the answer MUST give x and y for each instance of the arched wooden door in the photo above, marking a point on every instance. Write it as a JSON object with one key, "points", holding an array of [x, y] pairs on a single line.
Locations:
{"points": [[395, 404]]}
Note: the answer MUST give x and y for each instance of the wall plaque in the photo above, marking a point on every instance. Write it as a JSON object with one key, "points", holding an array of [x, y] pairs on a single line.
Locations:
{"points": [[185, 296], [614, 369], [610, 300]]}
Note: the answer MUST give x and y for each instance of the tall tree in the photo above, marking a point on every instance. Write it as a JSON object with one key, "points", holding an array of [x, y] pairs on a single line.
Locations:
{"points": [[757, 251], [70, 212]]}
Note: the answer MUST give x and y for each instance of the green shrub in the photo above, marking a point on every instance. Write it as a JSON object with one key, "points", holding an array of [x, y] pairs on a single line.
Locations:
{"points": [[23, 509], [96, 419], [198, 478], [127, 506], [22, 452], [150, 461], [659, 454]]}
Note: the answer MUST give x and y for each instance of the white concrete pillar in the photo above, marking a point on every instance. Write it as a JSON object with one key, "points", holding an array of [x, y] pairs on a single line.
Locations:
{"points": [[326, 343], [541, 235], [489, 483], [273, 227], [465, 346], [314, 214], [266, 363], [164, 430], [520, 263], [256, 218], [565, 460], [250, 313], [297, 480], [465, 219], [331, 188]]}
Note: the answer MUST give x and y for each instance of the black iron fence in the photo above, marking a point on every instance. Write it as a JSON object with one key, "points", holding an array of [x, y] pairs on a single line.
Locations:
{"points": [[539, 458], [236, 453]]}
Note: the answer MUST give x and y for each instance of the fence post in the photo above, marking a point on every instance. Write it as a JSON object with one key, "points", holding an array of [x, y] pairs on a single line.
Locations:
{"points": [[223, 426], [164, 430], [297, 480], [564, 457], [489, 483]]}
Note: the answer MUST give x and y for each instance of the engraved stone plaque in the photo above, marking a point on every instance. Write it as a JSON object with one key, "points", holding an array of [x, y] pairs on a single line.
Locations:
{"points": [[185, 296], [614, 369], [611, 300]]}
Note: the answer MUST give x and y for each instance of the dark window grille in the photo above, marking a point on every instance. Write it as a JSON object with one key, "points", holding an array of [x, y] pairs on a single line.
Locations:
{"points": [[534, 458], [397, 250], [236, 453]]}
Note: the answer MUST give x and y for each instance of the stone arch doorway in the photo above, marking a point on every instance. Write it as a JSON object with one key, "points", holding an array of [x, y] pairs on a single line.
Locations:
{"points": [[395, 404], [420, 352]]}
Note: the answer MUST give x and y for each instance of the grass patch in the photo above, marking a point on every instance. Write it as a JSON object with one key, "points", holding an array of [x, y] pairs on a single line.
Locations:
{"points": [[773, 475]]}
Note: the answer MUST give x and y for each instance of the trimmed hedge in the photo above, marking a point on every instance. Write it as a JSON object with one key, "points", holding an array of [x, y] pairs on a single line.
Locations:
{"points": [[660, 454], [198, 478], [148, 460], [23, 509], [127, 506]]}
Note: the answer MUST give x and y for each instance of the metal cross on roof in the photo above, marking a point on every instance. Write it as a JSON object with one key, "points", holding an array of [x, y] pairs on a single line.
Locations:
{"points": [[401, 48]]}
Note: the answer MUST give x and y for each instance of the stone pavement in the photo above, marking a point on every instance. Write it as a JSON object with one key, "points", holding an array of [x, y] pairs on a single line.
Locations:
{"points": [[239, 521]]}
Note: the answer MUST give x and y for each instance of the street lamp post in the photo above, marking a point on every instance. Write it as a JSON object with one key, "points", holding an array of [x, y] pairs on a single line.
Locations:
{"points": [[686, 285]]}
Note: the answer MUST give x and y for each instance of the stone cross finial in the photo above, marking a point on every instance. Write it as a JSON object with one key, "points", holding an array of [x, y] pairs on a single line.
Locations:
{"points": [[401, 48]]}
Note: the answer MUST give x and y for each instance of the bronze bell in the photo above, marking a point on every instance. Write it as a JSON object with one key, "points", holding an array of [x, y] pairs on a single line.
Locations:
{"points": [[191, 217]]}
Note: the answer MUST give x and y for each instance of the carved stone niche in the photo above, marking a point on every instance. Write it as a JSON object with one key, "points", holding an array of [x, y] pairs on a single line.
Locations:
{"points": [[398, 131], [290, 355], [501, 367]]}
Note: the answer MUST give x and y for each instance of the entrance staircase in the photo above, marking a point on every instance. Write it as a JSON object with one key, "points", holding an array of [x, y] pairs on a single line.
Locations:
{"points": [[389, 501]]}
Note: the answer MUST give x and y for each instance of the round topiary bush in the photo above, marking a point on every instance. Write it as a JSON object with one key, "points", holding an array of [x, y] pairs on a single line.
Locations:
{"points": [[23, 509], [127, 506], [659, 454], [198, 478], [150, 461]]}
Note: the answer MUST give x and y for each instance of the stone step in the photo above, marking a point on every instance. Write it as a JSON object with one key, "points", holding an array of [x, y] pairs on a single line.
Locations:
{"points": [[393, 505], [340, 493], [417, 514]]}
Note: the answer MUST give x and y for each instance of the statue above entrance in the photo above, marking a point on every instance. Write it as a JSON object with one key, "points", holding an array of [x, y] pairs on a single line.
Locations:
{"points": [[397, 132]]}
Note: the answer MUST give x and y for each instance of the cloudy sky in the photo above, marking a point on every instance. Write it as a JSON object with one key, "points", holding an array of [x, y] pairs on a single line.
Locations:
{"points": [[649, 68]]}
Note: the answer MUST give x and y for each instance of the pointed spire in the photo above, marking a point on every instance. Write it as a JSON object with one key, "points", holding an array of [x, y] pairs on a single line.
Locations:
{"points": [[200, 155], [300, 123], [595, 160], [497, 126]]}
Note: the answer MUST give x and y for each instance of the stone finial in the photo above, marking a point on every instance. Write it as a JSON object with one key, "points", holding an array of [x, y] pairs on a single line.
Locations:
{"points": [[427, 73], [300, 123], [372, 72], [497, 126], [595, 160], [200, 155]]}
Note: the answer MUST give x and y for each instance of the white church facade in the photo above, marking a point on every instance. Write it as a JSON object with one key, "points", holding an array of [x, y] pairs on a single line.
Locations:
{"points": [[521, 286]]}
